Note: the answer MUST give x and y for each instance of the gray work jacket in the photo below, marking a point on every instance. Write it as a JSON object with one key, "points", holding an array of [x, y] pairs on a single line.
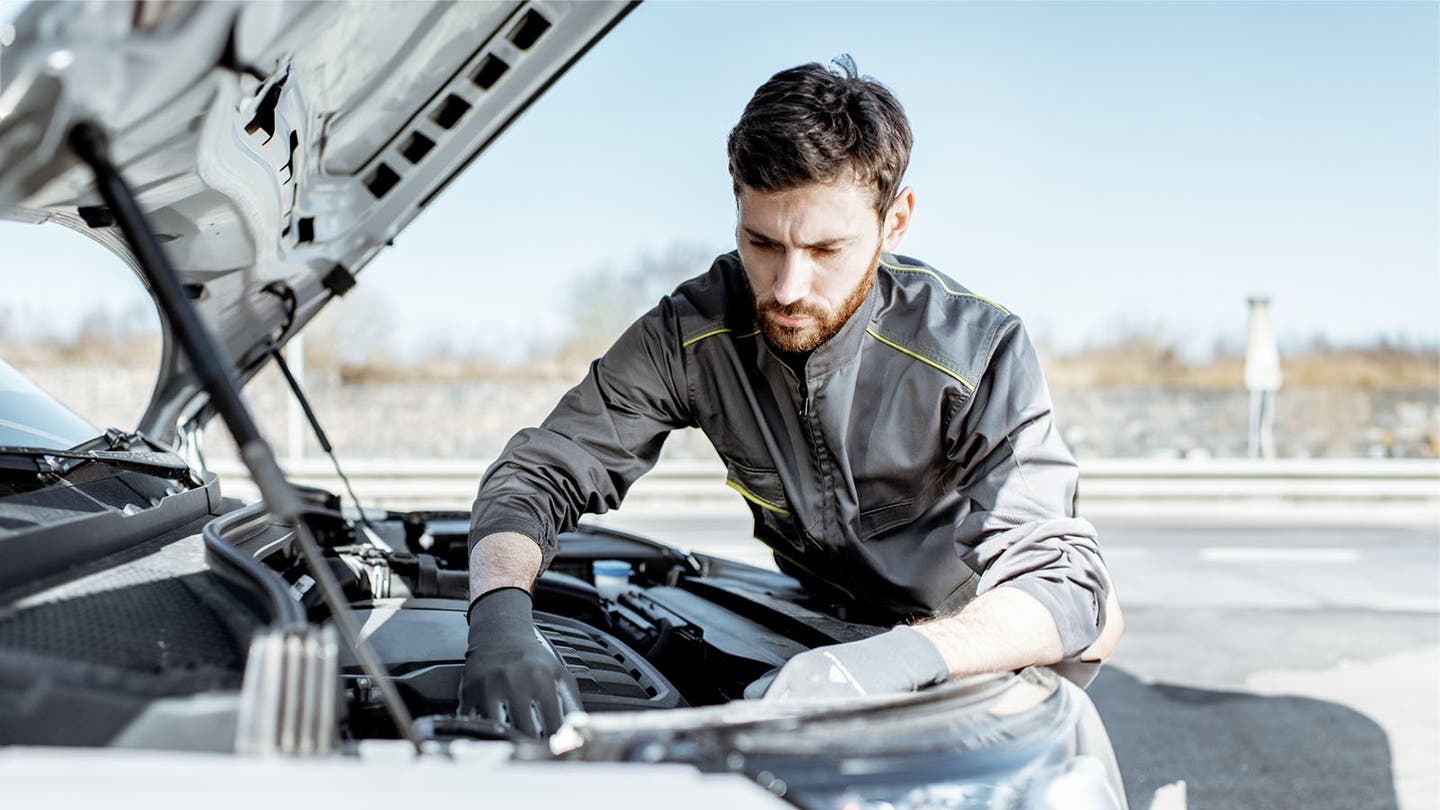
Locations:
{"points": [[914, 465]]}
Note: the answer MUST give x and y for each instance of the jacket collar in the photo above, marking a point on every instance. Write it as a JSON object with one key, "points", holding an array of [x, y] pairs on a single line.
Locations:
{"points": [[844, 345]]}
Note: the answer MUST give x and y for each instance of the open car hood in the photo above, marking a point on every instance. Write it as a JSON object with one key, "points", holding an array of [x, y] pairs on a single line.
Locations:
{"points": [[276, 148]]}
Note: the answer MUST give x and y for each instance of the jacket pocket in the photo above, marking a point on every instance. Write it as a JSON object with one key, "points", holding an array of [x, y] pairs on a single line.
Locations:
{"points": [[759, 486], [765, 495], [880, 519]]}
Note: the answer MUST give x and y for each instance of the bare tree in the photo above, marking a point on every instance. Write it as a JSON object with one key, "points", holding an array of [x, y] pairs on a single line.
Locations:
{"points": [[606, 300]]}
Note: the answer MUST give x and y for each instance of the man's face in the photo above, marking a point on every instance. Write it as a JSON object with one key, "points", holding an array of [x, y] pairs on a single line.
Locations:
{"points": [[810, 255]]}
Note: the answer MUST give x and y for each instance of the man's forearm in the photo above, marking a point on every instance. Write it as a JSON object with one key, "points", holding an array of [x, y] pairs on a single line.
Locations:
{"points": [[1001, 630], [503, 560]]}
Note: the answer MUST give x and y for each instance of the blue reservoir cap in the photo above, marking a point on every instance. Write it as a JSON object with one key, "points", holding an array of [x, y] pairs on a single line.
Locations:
{"points": [[611, 568]]}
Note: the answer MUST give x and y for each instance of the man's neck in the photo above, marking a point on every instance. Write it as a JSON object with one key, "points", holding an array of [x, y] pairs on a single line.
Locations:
{"points": [[795, 360]]}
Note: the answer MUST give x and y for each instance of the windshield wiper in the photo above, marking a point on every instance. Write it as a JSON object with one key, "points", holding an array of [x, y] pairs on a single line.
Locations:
{"points": [[160, 465], [111, 448]]}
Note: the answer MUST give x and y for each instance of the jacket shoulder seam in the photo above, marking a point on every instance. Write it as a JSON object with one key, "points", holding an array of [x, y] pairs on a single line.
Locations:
{"points": [[940, 280]]}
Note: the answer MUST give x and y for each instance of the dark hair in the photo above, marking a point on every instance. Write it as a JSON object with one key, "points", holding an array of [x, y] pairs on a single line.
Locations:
{"points": [[809, 124]]}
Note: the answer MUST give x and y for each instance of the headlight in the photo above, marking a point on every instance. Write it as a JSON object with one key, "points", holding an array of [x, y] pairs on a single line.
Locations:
{"points": [[1009, 742], [1079, 783]]}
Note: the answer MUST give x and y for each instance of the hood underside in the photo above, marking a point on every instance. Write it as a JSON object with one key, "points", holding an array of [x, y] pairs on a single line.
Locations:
{"points": [[275, 148]]}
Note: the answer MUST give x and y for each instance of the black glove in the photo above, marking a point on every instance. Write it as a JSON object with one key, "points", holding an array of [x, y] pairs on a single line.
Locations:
{"points": [[512, 675]]}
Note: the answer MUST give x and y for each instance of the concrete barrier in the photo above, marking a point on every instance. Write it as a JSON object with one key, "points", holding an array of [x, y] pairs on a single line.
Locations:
{"points": [[1386, 490]]}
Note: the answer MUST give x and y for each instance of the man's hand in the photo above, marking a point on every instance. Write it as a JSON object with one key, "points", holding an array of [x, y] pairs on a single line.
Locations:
{"points": [[511, 674], [900, 660]]}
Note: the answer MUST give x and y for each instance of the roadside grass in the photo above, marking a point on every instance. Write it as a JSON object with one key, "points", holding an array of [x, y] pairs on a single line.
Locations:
{"points": [[1135, 362], [1126, 362]]}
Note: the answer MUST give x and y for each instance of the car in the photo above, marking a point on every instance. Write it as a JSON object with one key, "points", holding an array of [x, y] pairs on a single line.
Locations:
{"points": [[290, 645]]}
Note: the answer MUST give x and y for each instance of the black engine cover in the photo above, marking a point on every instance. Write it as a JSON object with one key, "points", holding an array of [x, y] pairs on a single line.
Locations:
{"points": [[422, 644]]}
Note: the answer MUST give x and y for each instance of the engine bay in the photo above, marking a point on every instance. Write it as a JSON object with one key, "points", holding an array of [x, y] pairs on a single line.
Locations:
{"points": [[680, 630], [144, 632]]}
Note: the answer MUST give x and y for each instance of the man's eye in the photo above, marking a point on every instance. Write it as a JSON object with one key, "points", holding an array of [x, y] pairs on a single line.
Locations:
{"points": [[762, 245], [826, 251]]}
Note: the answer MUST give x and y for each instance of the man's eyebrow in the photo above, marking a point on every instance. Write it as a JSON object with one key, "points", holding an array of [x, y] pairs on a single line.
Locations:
{"points": [[823, 243]]}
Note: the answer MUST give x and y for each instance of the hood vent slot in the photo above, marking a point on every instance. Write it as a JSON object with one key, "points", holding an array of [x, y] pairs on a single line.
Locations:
{"points": [[382, 180], [450, 112], [417, 147], [489, 72], [529, 30]]}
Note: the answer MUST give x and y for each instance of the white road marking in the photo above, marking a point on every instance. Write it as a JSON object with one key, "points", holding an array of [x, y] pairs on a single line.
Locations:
{"points": [[1263, 554]]}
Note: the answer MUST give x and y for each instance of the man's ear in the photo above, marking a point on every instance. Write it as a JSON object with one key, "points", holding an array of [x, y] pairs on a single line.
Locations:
{"points": [[897, 219]]}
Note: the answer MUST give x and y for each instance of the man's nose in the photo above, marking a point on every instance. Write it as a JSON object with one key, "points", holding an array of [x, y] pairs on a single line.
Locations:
{"points": [[793, 282]]}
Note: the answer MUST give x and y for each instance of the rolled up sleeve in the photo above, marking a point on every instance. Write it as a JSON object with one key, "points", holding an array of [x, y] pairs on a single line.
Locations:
{"points": [[1019, 528]]}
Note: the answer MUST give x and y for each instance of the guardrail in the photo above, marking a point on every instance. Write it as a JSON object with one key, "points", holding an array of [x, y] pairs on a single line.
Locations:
{"points": [[1316, 488]]}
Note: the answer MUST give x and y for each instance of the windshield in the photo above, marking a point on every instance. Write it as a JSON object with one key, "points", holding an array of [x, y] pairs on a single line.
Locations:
{"points": [[29, 417]]}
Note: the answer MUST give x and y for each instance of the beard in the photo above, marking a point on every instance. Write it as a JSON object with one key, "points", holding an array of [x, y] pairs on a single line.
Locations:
{"points": [[824, 323]]}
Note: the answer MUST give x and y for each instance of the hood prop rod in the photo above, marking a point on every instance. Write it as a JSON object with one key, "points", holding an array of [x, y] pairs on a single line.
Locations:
{"points": [[92, 146], [325, 445]]}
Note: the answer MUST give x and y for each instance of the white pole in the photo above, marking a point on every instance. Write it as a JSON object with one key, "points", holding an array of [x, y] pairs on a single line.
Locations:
{"points": [[1262, 378], [299, 428]]}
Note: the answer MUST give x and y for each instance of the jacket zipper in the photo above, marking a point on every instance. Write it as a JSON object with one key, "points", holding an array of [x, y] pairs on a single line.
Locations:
{"points": [[804, 398]]}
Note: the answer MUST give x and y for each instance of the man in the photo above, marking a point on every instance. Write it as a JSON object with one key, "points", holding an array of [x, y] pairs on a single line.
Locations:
{"points": [[890, 430]]}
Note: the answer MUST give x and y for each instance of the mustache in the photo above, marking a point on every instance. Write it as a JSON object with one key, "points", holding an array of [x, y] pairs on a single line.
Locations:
{"points": [[792, 310]]}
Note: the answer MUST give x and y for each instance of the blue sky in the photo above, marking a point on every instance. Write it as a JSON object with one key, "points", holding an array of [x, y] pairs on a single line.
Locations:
{"points": [[1096, 167]]}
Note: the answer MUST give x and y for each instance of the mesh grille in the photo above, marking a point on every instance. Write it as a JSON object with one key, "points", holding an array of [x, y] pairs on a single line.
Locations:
{"points": [[151, 628], [157, 615]]}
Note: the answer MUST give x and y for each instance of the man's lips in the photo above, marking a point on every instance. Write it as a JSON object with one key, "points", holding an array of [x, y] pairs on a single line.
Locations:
{"points": [[789, 321]]}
